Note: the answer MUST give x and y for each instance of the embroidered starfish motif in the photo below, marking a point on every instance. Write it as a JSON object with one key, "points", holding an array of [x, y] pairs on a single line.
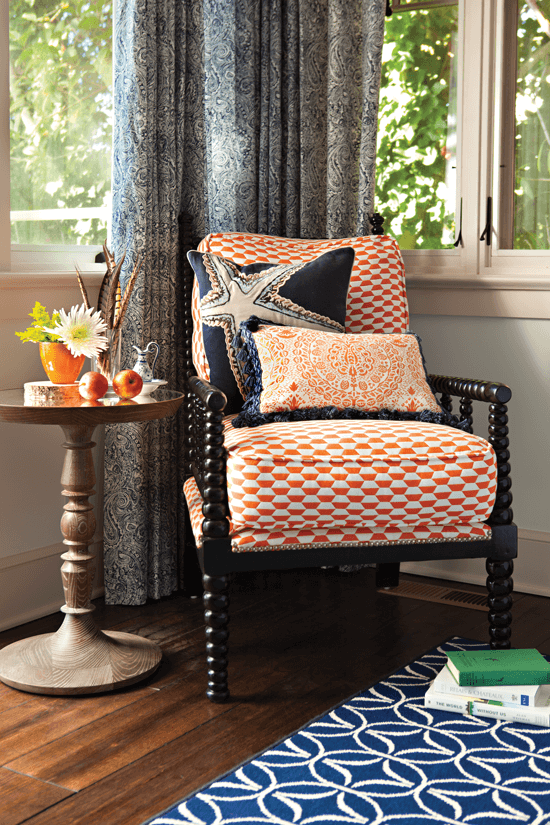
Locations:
{"points": [[236, 295]]}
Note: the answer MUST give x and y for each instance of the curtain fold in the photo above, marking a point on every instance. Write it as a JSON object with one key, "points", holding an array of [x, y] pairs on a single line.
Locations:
{"points": [[291, 104], [242, 115]]}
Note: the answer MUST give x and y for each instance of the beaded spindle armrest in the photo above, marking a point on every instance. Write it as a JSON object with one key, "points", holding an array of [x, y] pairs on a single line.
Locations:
{"points": [[208, 455], [497, 396]]}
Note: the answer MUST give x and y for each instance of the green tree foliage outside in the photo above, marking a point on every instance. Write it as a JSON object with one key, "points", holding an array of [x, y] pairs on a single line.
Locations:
{"points": [[61, 122], [60, 115], [414, 178], [532, 162], [416, 140]]}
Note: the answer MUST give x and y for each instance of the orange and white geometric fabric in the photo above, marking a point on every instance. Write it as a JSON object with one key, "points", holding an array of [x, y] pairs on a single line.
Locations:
{"points": [[302, 368], [251, 540], [318, 482], [377, 298]]}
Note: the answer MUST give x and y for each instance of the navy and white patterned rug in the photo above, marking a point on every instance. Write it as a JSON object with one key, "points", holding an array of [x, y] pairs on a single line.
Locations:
{"points": [[381, 757]]}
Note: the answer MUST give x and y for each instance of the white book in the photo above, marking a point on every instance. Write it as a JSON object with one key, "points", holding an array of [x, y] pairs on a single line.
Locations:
{"points": [[479, 707], [510, 695]]}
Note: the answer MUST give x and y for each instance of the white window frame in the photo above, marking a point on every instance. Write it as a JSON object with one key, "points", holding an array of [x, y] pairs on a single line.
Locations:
{"points": [[477, 279], [496, 261], [471, 280]]}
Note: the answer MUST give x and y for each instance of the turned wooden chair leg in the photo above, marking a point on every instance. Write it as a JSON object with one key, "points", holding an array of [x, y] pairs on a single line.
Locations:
{"points": [[500, 585], [216, 616], [387, 575]]}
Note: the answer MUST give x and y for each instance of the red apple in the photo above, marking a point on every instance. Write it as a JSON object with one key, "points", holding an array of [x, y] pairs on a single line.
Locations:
{"points": [[127, 383], [92, 386], [125, 402], [91, 404]]}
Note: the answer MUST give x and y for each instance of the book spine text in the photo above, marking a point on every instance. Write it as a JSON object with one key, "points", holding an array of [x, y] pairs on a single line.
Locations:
{"points": [[495, 693], [471, 707], [490, 678]]}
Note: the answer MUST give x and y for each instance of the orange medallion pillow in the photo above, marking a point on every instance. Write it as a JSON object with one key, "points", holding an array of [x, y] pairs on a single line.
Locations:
{"points": [[293, 374]]}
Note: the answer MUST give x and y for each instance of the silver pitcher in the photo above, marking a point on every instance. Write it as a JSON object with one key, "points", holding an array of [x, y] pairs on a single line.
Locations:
{"points": [[142, 365]]}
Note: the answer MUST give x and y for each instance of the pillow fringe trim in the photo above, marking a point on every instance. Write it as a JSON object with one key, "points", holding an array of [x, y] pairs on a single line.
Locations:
{"points": [[249, 418]]}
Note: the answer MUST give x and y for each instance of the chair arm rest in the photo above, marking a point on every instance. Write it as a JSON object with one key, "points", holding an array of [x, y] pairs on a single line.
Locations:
{"points": [[497, 396], [489, 391], [212, 398], [207, 454]]}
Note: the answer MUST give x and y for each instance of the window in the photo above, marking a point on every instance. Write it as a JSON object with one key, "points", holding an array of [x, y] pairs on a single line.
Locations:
{"points": [[467, 84], [523, 172], [60, 129], [416, 179]]}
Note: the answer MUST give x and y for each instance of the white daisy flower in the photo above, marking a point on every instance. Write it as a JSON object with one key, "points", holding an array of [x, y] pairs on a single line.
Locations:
{"points": [[81, 331]]}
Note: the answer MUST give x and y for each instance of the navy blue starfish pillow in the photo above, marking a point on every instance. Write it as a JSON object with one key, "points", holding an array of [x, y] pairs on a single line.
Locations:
{"points": [[308, 294]]}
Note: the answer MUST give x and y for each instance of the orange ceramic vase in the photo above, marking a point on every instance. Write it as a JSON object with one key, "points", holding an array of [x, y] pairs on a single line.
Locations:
{"points": [[62, 367]]}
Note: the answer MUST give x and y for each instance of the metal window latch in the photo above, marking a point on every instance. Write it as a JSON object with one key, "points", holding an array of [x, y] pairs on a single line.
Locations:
{"points": [[488, 231], [459, 239]]}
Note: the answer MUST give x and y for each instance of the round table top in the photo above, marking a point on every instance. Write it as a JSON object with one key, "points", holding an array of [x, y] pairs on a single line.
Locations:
{"points": [[15, 408]]}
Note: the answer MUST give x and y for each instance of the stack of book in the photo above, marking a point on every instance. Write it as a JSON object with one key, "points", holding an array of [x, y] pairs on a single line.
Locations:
{"points": [[512, 685]]}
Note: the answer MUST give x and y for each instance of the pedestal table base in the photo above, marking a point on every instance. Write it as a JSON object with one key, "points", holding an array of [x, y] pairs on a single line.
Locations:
{"points": [[79, 658]]}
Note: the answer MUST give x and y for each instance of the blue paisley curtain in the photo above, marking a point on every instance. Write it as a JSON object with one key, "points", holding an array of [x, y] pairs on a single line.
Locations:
{"points": [[247, 115], [291, 104]]}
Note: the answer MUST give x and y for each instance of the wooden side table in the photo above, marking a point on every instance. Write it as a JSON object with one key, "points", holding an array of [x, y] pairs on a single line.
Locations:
{"points": [[80, 658]]}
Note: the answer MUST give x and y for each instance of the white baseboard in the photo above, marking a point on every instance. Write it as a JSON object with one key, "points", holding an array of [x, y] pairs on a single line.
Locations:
{"points": [[31, 584], [531, 568]]}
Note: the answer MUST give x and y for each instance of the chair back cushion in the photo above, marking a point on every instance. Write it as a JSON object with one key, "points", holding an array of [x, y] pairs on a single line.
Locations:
{"points": [[305, 294], [376, 300]]}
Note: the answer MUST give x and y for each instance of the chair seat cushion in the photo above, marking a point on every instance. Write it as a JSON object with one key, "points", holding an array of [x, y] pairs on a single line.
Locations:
{"points": [[249, 539], [353, 476]]}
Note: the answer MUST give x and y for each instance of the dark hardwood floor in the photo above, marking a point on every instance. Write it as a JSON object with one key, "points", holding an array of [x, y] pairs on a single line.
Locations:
{"points": [[301, 641]]}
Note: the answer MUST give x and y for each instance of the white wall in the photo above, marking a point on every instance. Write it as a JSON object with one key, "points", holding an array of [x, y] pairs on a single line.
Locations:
{"points": [[515, 351], [31, 458]]}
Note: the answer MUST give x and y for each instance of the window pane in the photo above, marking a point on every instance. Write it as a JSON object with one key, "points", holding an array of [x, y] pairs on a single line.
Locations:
{"points": [[397, 5], [532, 134], [416, 155], [60, 120]]}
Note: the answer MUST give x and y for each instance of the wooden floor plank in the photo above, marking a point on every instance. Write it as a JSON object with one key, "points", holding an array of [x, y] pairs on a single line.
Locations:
{"points": [[93, 752], [80, 758], [162, 778], [46, 719], [21, 797], [9, 698], [301, 641], [87, 755]]}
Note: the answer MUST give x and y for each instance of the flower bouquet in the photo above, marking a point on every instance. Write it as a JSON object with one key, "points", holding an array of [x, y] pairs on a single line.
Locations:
{"points": [[66, 339]]}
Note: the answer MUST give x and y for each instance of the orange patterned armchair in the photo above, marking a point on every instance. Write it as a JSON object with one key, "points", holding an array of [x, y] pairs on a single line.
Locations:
{"points": [[315, 435]]}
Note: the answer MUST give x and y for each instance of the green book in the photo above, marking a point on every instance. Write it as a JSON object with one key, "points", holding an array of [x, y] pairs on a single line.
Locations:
{"points": [[499, 667]]}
